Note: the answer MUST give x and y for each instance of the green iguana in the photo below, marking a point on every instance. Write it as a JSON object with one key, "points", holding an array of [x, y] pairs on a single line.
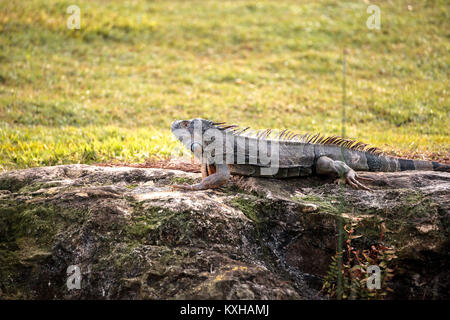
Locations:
{"points": [[227, 149]]}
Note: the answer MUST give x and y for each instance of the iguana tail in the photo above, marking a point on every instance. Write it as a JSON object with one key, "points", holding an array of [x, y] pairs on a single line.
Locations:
{"points": [[406, 164], [386, 163]]}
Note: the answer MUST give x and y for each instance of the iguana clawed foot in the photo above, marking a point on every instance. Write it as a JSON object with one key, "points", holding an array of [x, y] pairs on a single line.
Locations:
{"points": [[327, 166], [351, 177], [184, 186], [213, 181]]}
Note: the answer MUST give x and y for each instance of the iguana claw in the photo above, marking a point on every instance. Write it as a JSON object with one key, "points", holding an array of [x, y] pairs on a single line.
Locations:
{"points": [[181, 187], [326, 165], [213, 181], [351, 177]]}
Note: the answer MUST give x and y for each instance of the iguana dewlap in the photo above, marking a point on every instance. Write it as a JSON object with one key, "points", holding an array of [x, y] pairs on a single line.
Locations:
{"points": [[228, 149]]}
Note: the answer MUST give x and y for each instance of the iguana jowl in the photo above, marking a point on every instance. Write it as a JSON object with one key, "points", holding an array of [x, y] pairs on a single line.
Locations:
{"points": [[297, 155]]}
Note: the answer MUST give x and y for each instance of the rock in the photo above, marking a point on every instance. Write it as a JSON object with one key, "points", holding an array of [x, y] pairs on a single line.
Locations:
{"points": [[131, 237]]}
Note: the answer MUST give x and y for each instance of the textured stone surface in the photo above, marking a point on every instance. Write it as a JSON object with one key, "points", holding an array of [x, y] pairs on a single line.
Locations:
{"points": [[134, 238]]}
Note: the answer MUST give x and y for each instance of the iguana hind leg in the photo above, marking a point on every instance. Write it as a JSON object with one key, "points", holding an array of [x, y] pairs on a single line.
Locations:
{"points": [[327, 166], [212, 178]]}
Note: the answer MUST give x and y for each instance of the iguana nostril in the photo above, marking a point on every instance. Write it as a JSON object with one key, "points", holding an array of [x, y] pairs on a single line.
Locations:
{"points": [[174, 125]]}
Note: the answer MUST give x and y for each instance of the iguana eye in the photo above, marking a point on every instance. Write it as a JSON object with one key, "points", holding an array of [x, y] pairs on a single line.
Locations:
{"points": [[184, 124]]}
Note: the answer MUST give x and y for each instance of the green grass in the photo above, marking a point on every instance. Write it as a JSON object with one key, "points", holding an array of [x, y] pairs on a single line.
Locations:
{"points": [[110, 90]]}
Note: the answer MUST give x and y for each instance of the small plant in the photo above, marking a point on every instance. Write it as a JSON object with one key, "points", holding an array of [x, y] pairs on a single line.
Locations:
{"points": [[355, 263]]}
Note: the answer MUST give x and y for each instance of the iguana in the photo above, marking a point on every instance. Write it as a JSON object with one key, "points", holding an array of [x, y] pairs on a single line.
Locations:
{"points": [[230, 150]]}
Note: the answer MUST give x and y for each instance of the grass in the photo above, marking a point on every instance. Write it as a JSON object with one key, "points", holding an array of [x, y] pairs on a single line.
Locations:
{"points": [[110, 90]]}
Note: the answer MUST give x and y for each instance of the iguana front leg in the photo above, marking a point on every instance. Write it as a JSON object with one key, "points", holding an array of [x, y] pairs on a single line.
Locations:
{"points": [[327, 166], [207, 170], [211, 181]]}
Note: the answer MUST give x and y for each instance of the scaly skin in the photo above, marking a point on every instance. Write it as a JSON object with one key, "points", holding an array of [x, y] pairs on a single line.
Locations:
{"points": [[296, 155]]}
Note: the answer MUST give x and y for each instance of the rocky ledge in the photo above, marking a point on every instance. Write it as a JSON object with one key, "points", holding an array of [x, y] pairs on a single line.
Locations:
{"points": [[129, 236]]}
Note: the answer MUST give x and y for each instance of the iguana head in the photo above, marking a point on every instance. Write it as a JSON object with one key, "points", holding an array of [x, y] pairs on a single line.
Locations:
{"points": [[191, 125], [192, 132]]}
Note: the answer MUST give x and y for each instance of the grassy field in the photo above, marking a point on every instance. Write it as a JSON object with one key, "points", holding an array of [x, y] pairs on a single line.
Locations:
{"points": [[110, 90]]}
